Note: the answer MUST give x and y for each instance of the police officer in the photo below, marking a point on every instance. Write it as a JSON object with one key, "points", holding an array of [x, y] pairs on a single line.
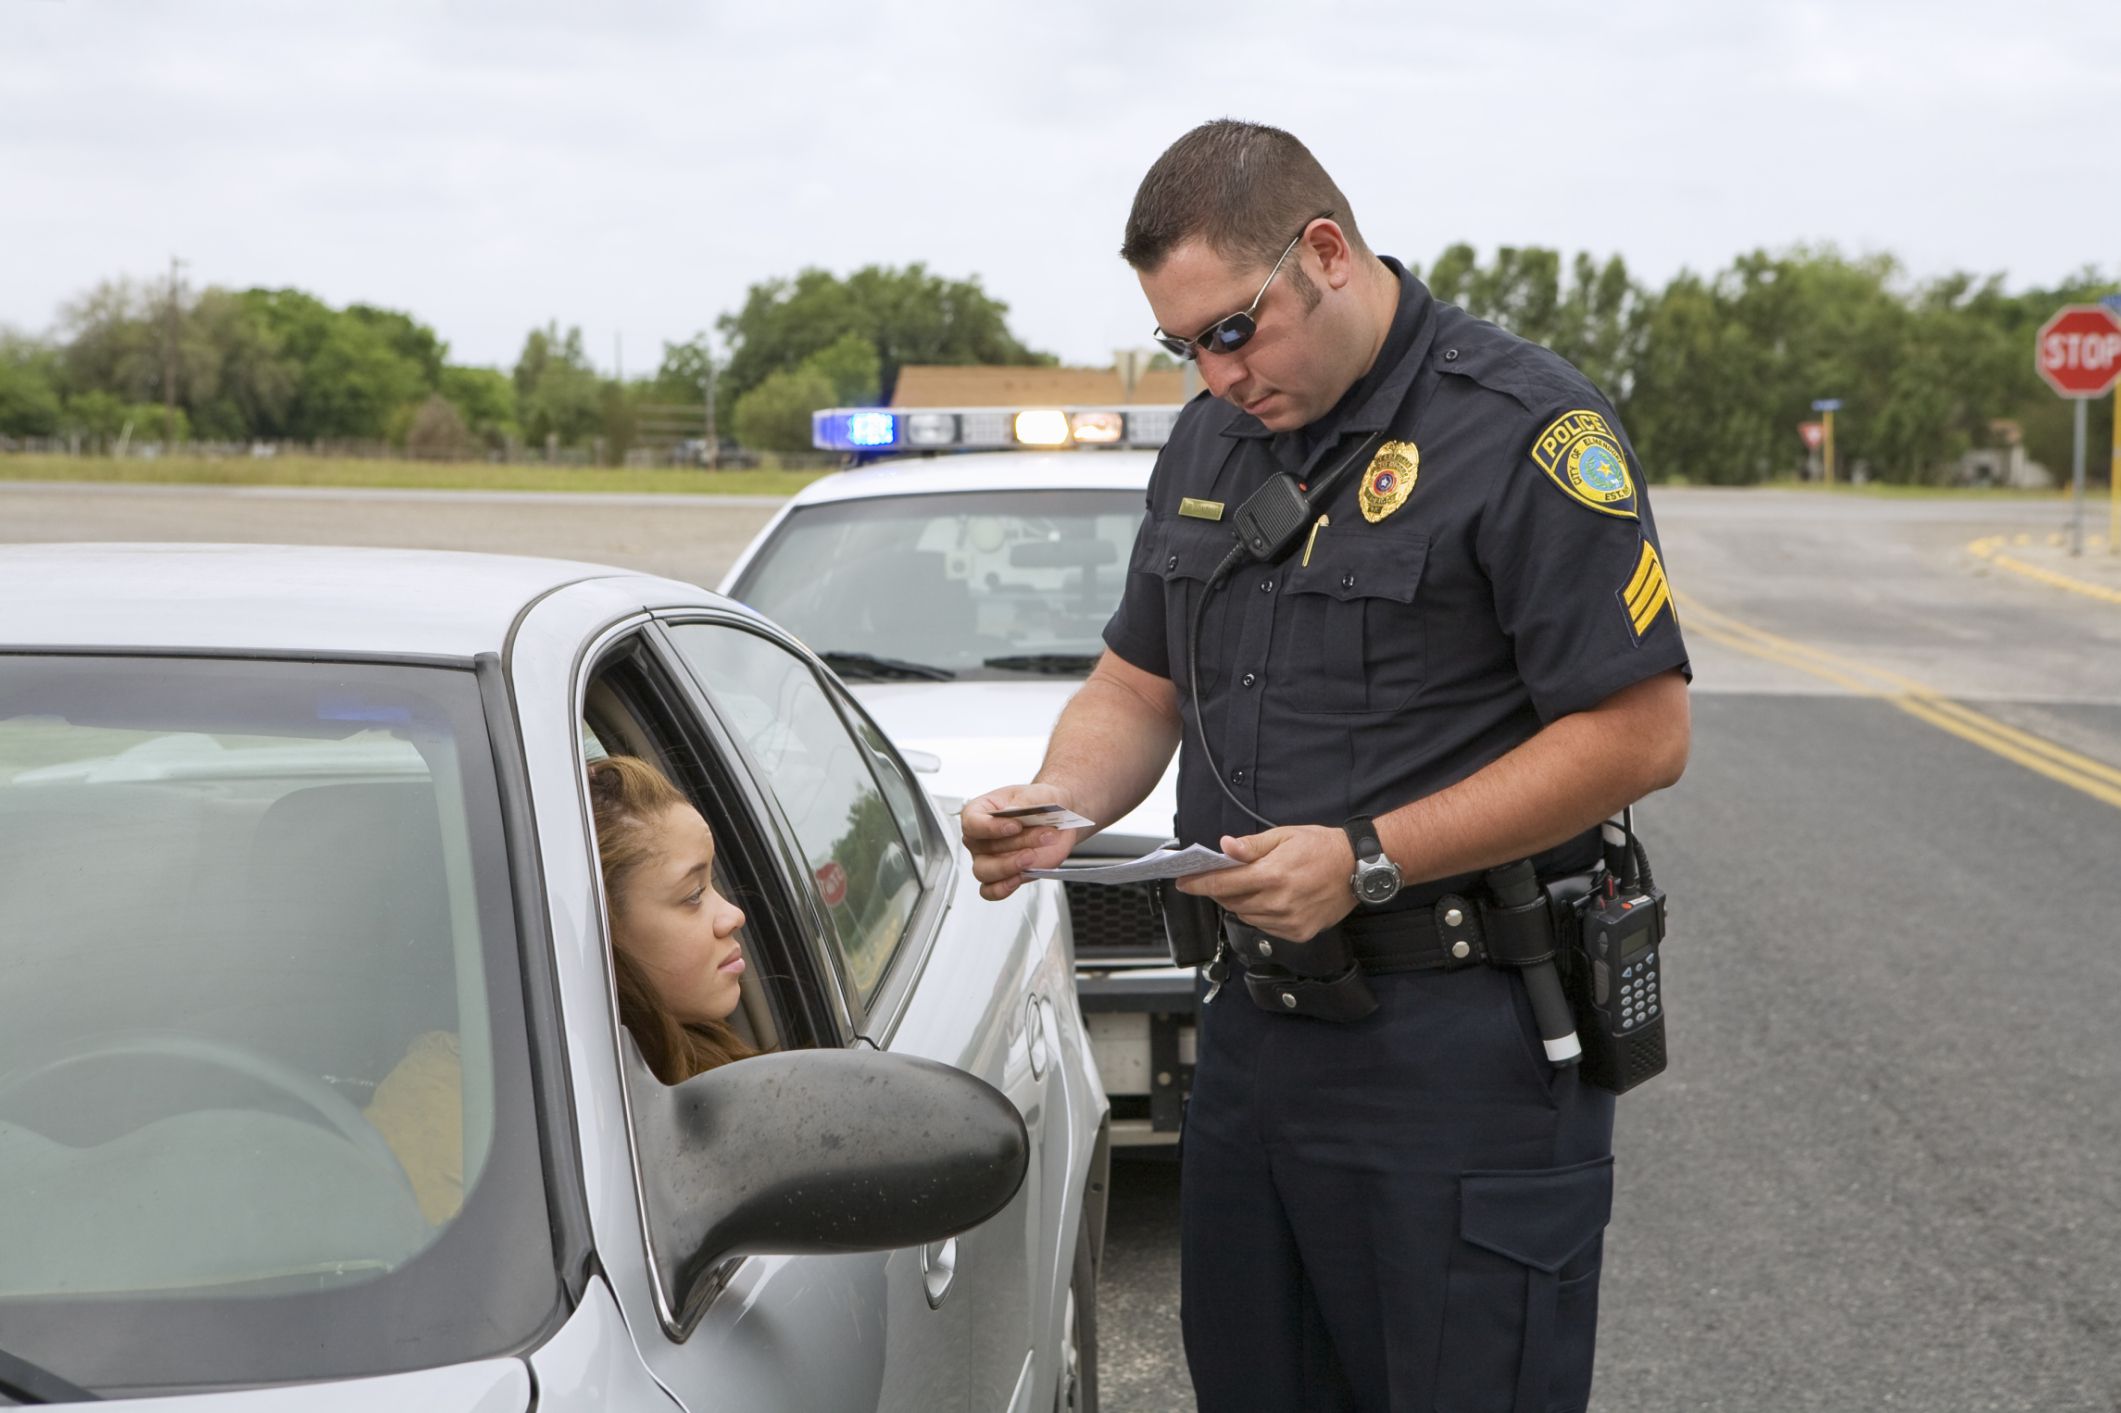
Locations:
{"points": [[1468, 657]]}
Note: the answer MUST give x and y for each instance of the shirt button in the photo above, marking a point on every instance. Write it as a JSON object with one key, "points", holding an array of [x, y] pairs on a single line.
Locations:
{"points": [[1237, 776], [1250, 678], [1450, 355], [1266, 586], [1347, 581], [1171, 563]]}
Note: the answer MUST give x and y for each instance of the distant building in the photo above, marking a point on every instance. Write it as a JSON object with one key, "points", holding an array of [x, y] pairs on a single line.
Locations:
{"points": [[929, 385], [2004, 464]]}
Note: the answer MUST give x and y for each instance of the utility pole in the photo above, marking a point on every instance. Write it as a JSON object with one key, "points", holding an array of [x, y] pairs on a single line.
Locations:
{"points": [[169, 358], [714, 442]]}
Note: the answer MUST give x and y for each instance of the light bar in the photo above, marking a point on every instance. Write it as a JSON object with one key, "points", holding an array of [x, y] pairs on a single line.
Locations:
{"points": [[873, 430]]}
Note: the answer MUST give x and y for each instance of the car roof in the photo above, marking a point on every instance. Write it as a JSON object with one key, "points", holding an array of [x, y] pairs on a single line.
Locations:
{"points": [[986, 471], [280, 598]]}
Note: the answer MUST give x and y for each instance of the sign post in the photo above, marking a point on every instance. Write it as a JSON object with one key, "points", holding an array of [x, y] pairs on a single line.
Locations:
{"points": [[1827, 407], [2113, 466], [2078, 351]]}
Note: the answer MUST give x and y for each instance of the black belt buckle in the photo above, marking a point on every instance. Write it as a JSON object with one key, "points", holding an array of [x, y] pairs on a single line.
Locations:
{"points": [[1342, 998]]}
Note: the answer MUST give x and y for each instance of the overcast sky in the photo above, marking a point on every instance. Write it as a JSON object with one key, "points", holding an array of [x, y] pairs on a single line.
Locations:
{"points": [[631, 166]]}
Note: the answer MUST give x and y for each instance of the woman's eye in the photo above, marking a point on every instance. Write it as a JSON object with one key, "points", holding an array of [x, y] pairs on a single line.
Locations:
{"points": [[695, 898]]}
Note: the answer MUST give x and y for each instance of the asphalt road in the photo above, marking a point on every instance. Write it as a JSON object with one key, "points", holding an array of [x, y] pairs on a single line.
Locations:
{"points": [[1884, 1170]]}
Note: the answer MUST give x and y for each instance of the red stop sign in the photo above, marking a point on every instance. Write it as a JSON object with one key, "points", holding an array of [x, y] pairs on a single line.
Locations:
{"points": [[2079, 350], [832, 883]]}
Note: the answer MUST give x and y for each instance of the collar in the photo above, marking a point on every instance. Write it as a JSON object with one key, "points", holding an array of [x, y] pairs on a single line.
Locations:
{"points": [[1375, 398]]}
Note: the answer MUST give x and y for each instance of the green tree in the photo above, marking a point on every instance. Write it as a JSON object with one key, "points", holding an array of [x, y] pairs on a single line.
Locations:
{"points": [[682, 375], [775, 415], [908, 315], [557, 391], [29, 387], [97, 416], [851, 364], [486, 399]]}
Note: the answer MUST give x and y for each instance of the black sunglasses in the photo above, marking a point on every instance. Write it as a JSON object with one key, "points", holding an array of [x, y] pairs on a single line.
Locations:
{"points": [[1229, 334]]}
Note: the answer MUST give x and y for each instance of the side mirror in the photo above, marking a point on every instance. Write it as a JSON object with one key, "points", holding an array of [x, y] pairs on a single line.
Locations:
{"points": [[816, 1152]]}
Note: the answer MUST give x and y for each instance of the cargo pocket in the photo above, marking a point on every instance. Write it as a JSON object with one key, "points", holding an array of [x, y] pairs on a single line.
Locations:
{"points": [[1521, 1300], [1356, 629]]}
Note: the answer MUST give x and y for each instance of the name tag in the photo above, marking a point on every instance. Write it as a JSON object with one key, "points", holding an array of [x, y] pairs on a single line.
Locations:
{"points": [[1201, 509]]}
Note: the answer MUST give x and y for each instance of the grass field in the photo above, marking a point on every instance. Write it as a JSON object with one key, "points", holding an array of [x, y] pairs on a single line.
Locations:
{"points": [[398, 475]]}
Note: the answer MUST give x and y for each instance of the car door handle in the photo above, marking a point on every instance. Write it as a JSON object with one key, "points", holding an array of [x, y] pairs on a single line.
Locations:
{"points": [[938, 1270]]}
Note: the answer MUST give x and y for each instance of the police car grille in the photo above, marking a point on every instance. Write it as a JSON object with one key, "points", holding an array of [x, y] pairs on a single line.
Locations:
{"points": [[1113, 922]]}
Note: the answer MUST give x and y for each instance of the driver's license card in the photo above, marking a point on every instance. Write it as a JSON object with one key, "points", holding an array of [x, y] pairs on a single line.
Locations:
{"points": [[1046, 816]]}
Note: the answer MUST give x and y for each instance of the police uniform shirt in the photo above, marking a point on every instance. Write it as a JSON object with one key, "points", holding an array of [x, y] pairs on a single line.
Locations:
{"points": [[1493, 567]]}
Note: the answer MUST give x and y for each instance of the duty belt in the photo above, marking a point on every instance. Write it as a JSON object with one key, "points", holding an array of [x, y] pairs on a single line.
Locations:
{"points": [[1445, 935]]}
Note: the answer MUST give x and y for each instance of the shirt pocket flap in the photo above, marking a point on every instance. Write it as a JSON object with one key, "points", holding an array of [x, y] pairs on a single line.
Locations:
{"points": [[1189, 550], [1364, 569], [1537, 1218]]}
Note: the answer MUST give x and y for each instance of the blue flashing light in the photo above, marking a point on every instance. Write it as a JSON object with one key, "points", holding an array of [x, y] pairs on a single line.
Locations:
{"points": [[868, 429]]}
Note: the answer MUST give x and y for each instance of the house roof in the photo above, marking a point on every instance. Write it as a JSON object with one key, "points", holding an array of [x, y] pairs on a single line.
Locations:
{"points": [[930, 385]]}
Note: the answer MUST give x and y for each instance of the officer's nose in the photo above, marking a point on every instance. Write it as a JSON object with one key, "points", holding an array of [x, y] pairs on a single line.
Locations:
{"points": [[1221, 371]]}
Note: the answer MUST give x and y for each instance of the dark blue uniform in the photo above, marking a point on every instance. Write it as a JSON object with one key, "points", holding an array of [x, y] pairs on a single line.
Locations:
{"points": [[1403, 1212]]}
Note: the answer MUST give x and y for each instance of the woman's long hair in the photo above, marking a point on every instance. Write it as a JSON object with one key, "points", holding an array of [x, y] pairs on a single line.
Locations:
{"points": [[628, 797]]}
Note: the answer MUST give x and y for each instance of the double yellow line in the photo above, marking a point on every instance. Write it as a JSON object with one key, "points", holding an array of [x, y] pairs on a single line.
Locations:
{"points": [[1991, 549], [2043, 757]]}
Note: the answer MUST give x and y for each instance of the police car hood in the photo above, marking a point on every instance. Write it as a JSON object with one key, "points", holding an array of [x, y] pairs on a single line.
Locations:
{"points": [[991, 734]]}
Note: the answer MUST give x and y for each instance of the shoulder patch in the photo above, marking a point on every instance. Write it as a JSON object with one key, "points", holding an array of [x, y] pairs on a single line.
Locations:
{"points": [[1647, 593], [1581, 454]]}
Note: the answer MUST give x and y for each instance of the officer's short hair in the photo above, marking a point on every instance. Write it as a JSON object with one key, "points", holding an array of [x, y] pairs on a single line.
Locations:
{"points": [[1244, 189]]}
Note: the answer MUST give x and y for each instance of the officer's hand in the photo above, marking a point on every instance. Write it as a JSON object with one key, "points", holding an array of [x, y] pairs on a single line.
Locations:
{"points": [[1003, 848], [1292, 883]]}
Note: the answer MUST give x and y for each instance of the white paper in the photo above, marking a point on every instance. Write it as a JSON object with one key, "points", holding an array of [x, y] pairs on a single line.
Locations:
{"points": [[1158, 863]]}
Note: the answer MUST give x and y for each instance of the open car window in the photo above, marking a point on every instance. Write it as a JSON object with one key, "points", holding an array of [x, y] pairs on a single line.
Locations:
{"points": [[853, 812]]}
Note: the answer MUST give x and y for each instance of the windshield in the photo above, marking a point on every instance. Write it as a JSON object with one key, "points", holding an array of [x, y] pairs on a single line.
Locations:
{"points": [[994, 584], [265, 1104]]}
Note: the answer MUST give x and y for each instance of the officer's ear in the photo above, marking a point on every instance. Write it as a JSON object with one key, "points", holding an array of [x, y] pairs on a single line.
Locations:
{"points": [[1326, 243]]}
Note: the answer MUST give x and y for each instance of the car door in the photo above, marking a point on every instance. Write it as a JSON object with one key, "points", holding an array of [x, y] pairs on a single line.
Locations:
{"points": [[920, 973], [769, 1333]]}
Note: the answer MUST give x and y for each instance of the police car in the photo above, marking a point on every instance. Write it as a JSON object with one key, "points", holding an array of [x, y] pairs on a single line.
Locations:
{"points": [[959, 579]]}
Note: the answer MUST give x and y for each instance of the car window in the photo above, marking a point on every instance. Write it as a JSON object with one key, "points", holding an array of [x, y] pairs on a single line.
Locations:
{"points": [[988, 584], [257, 1037], [862, 860]]}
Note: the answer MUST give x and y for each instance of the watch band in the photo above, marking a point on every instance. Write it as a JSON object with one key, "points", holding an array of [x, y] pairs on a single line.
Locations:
{"points": [[1363, 836]]}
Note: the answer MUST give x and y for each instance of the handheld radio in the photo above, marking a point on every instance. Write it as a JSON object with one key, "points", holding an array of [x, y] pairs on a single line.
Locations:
{"points": [[1615, 984]]}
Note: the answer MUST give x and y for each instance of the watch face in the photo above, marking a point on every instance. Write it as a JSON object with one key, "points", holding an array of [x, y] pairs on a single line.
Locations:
{"points": [[1378, 884]]}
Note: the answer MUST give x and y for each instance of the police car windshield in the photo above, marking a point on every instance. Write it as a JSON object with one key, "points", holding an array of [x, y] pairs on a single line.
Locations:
{"points": [[989, 584]]}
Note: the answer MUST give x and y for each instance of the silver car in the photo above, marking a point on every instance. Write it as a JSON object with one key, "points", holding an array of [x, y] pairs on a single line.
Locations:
{"points": [[273, 822]]}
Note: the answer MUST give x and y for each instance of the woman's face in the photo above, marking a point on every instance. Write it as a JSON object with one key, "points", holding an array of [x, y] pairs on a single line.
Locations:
{"points": [[673, 924]]}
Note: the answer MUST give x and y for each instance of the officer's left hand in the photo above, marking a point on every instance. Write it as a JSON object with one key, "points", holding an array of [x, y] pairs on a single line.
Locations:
{"points": [[1290, 883]]}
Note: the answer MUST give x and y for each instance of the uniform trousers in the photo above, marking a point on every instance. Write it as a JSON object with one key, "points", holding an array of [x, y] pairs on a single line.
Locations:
{"points": [[1403, 1213]]}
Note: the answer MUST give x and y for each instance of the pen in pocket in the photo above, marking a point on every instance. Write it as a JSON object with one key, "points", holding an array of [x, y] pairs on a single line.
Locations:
{"points": [[1320, 524]]}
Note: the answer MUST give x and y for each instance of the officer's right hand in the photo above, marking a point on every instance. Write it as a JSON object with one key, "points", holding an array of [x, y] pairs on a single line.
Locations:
{"points": [[1003, 848]]}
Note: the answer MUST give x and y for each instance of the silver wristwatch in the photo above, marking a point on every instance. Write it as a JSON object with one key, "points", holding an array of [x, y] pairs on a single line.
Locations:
{"points": [[1376, 878]]}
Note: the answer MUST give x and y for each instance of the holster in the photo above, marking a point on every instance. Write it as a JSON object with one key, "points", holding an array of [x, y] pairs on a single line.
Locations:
{"points": [[1192, 924], [1318, 978]]}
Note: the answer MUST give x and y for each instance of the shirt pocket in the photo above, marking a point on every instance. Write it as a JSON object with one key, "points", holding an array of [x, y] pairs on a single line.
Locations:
{"points": [[1355, 631], [1184, 554]]}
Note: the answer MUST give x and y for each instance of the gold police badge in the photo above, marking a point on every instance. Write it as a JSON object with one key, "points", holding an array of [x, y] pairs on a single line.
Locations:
{"points": [[1389, 480]]}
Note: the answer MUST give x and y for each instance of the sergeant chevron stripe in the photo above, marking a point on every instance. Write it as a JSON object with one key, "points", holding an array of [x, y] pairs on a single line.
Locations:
{"points": [[1647, 594]]}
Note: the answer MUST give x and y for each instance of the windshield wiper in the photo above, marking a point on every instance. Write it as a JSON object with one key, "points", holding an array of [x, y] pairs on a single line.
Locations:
{"points": [[25, 1383], [1051, 664], [883, 669]]}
